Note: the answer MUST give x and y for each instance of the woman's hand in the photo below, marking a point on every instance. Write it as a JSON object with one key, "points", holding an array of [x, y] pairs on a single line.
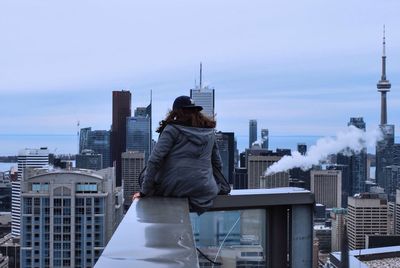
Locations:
{"points": [[136, 196]]}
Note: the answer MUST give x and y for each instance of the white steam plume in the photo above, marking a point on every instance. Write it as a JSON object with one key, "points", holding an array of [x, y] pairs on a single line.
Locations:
{"points": [[351, 140]]}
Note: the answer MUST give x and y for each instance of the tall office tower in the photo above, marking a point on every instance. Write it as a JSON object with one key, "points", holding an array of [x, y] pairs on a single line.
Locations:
{"points": [[345, 169], [252, 132], [84, 138], [257, 163], [391, 218], [27, 158], [240, 178], [226, 147], [121, 110], [302, 148], [236, 156], [204, 96], [264, 138], [327, 187], [391, 181], [338, 216], [397, 213], [68, 216], [88, 159], [138, 132], [367, 214], [98, 141], [132, 165], [299, 176], [147, 112], [358, 170], [384, 147], [280, 179]]}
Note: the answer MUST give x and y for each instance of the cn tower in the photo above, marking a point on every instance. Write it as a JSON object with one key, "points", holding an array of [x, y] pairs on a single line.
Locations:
{"points": [[383, 84]]}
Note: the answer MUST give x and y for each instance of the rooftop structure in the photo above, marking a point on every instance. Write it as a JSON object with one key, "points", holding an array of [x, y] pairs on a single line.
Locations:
{"points": [[158, 232], [368, 258]]}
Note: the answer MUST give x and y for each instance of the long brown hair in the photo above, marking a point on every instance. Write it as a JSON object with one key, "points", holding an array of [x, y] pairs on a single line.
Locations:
{"points": [[187, 117]]}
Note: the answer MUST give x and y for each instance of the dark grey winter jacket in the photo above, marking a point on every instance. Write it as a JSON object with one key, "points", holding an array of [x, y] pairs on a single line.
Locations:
{"points": [[181, 166]]}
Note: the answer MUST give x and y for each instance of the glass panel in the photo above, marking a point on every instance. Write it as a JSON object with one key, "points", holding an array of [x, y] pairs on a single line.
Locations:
{"points": [[231, 238]]}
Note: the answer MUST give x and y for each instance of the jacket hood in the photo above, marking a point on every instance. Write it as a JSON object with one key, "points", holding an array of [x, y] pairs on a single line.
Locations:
{"points": [[196, 135]]}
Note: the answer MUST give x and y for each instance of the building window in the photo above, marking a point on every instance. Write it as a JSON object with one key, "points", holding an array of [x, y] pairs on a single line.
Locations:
{"points": [[86, 188]]}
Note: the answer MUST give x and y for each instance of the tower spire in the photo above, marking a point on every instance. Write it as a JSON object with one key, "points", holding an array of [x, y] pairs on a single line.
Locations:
{"points": [[383, 84]]}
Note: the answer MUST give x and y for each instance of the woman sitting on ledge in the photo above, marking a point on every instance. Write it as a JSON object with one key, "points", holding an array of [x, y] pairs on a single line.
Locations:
{"points": [[181, 163]]}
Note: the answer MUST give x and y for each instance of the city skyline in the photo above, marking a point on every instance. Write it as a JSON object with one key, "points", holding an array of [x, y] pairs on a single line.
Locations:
{"points": [[274, 62]]}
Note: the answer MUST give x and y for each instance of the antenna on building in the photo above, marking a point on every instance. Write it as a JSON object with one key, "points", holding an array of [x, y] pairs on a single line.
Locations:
{"points": [[201, 75], [384, 41]]}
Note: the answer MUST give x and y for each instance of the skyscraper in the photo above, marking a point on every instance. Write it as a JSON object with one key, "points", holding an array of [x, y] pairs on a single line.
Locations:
{"points": [[327, 187], [204, 96], [257, 163], [132, 164], [121, 110], [226, 147], [358, 170], [138, 132], [27, 158], [264, 138], [68, 216], [98, 141], [367, 214], [384, 147], [252, 132], [88, 159], [391, 181], [338, 219]]}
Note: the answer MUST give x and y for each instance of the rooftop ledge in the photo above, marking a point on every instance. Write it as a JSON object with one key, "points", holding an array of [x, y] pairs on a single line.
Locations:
{"points": [[157, 232]]}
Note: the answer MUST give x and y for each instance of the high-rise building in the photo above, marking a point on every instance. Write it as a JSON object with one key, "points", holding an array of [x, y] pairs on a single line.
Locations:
{"points": [[138, 132], [204, 97], [226, 147], [257, 163], [240, 178], [345, 169], [27, 158], [88, 159], [397, 213], [133, 163], [264, 138], [367, 214], [252, 132], [391, 181], [98, 141], [358, 165], [338, 216], [302, 148], [327, 187], [277, 180], [121, 110], [68, 216]]}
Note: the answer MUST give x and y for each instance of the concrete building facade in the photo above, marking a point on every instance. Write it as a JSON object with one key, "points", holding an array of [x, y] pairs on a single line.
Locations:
{"points": [[133, 163], [327, 187], [68, 216], [367, 214], [27, 158]]}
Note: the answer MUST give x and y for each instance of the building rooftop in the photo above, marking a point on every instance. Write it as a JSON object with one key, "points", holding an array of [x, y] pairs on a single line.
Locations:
{"points": [[157, 232], [371, 257]]}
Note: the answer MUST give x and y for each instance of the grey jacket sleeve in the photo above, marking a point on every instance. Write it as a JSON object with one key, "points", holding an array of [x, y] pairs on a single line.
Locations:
{"points": [[216, 157], [164, 144]]}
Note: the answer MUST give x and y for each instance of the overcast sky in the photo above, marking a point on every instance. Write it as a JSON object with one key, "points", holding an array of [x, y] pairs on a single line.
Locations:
{"points": [[298, 67]]}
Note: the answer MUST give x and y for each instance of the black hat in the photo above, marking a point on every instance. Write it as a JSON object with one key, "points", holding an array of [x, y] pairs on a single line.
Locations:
{"points": [[185, 102]]}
